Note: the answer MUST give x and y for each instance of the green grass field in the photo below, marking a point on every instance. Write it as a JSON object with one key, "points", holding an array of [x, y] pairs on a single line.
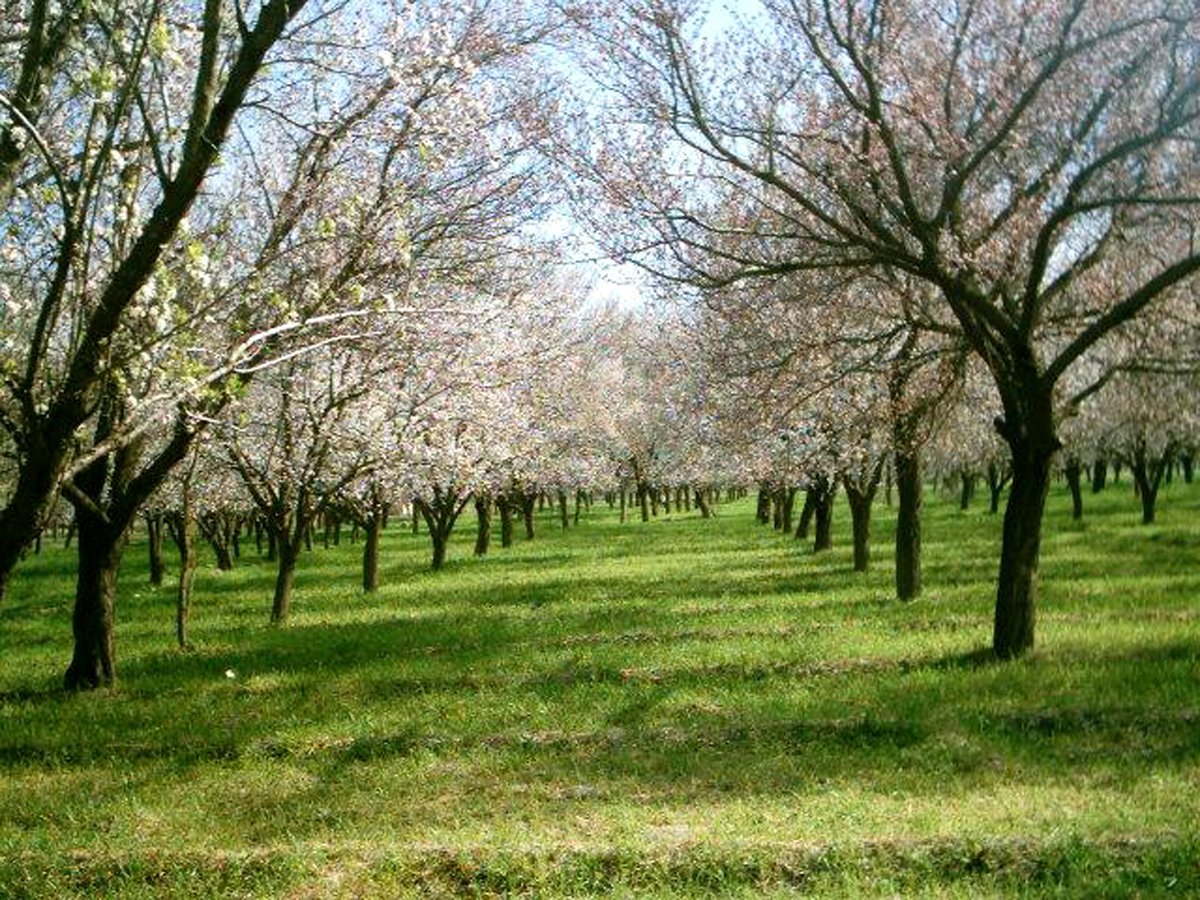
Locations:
{"points": [[677, 708]]}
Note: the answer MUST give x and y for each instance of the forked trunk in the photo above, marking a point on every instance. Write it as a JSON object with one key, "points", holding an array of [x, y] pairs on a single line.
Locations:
{"points": [[1148, 476]]}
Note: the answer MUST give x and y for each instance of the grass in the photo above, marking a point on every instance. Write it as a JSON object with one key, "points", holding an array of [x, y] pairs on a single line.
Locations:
{"points": [[671, 709]]}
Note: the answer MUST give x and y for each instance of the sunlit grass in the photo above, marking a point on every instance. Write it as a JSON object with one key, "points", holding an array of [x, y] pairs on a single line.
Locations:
{"points": [[665, 709]]}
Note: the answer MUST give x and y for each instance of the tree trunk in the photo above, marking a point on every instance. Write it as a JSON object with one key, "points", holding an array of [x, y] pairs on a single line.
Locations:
{"points": [[288, 551], [826, 491], [622, 501], [1016, 591], [483, 515], [578, 503], [19, 517], [788, 510], [439, 548], [997, 479], [1028, 427], [373, 526], [527, 509], [702, 504], [1188, 462], [1074, 471], [967, 490], [762, 507], [506, 520], [909, 490], [1099, 474], [1148, 476], [183, 532], [93, 664], [562, 510], [806, 514], [154, 536], [860, 498], [644, 501], [215, 528]]}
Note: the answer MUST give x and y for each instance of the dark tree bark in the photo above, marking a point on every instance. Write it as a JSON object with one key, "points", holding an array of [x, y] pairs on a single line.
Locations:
{"points": [[154, 541], [806, 513], [643, 500], [788, 510], [1073, 470], [563, 517], [1188, 462], [966, 490], [527, 510], [909, 491], [1099, 474], [762, 507], [372, 516], [861, 495], [702, 504], [93, 663], [372, 529], [997, 478], [182, 524], [217, 528], [288, 551], [1028, 427], [825, 491], [107, 496], [483, 531], [440, 512], [1148, 472], [504, 505]]}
